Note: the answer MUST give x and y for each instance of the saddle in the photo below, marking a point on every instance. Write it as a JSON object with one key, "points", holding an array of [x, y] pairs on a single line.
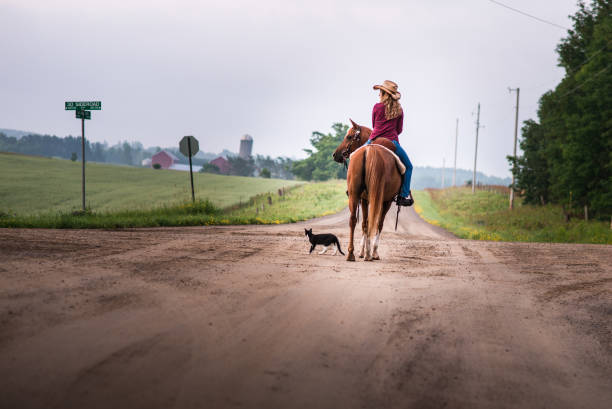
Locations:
{"points": [[384, 142], [389, 146]]}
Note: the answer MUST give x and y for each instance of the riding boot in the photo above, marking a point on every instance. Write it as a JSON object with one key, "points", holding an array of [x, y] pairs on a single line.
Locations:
{"points": [[405, 201]]}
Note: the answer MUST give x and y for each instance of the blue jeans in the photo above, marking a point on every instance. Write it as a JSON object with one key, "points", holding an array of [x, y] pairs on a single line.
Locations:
{"points": [[405, 190]]}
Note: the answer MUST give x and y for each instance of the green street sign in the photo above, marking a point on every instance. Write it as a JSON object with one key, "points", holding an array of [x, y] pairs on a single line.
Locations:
{"points": [[83, 114], [91, 105]]}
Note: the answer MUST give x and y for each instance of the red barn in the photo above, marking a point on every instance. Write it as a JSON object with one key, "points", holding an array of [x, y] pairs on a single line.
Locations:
{"points": [[164, 158], [223, 165]]}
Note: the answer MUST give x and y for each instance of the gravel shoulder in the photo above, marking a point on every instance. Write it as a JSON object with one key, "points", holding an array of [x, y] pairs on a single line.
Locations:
{"points": [[243, 316]]}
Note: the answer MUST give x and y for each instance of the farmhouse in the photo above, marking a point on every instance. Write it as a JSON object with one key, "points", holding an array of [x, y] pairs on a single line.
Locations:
{"points": [[223, 165], [164, 158]]}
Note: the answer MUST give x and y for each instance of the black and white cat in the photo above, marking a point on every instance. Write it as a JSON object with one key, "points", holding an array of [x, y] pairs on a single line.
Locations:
{"points": [[326, 240]]}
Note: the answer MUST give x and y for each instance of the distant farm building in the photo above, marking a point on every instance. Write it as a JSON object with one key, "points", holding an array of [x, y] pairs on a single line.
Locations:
{"points": [[223, 165], [246, 146], [146, 163], [183, 167], [165, 159]]}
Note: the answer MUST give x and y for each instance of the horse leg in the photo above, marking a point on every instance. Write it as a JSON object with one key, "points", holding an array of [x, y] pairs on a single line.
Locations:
{"points": [[381, 222], [375, 204], [353, 203], [364, 225]]}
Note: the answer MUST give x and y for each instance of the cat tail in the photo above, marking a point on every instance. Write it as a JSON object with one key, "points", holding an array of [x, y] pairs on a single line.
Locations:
{"points": [[338, 245]]}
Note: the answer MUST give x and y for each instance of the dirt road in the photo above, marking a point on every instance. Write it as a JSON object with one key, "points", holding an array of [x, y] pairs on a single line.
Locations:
{"points": [[223, 317]]}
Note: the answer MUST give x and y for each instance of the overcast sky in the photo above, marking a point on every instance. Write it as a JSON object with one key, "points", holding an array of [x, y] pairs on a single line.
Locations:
{"points": [[278, 70]]}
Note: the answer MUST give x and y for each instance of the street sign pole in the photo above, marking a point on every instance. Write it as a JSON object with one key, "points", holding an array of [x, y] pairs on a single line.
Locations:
{"points": [[189, 146], [191, 170], [83, 158], [83, 112]]}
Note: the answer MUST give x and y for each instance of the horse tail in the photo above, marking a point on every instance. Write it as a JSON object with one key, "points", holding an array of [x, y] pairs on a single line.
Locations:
{"points": [[375, 195]]}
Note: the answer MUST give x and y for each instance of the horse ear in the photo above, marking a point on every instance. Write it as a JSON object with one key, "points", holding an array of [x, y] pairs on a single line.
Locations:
{"points": [[353, 123]]}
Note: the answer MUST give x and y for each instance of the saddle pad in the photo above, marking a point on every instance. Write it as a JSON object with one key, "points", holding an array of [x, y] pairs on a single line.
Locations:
{"points": [[400, 166]]}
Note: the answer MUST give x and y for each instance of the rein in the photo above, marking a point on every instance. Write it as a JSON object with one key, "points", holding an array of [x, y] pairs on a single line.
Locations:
{"points": [[397, 216], [347, 152]]}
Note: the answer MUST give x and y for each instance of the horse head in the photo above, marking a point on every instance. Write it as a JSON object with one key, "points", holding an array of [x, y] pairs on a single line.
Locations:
{"points": [[356, 136]]}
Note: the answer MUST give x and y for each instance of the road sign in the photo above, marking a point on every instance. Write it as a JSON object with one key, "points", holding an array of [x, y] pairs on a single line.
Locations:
{"points": [[83, 114], [91, 105], [189, 146], [189, 150]]}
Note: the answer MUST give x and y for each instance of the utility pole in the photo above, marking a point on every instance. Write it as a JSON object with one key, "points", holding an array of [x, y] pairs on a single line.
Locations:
{"points": [[455, 171], [443, 170], [518, 91], [476, 150]]}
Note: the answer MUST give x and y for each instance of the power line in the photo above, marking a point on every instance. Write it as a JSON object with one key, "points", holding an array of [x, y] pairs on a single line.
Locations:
{"points": [[529, 15], [577, 87], [575, 70], [585, 81]]}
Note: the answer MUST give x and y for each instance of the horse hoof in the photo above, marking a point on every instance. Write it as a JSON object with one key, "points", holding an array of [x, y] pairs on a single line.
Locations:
{"points": [[368, 258], [361, 256], [350, 257]]}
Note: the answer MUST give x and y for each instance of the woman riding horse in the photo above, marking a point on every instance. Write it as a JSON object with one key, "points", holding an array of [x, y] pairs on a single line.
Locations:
{"points": [[387, 122]]}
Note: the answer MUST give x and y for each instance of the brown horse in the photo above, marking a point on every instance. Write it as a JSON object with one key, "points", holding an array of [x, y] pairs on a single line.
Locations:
{"points": [[373, 180]]}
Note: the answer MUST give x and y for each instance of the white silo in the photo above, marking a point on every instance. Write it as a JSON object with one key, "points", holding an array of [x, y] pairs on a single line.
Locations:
{"points": [[246, 146]]}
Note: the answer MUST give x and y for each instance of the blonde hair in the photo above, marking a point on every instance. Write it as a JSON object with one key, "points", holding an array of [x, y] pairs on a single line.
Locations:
{"points": [[393, 109]]}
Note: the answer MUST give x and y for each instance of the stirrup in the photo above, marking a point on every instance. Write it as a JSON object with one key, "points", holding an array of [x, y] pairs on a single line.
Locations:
{"points": [[404, 201]]}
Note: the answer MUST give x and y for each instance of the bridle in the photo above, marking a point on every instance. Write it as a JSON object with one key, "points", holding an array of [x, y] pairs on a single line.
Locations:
{"points": [[357, 137]]}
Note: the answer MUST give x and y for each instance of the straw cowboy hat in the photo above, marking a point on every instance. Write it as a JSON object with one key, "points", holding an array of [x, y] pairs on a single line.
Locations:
{"points": [[390, 88]]}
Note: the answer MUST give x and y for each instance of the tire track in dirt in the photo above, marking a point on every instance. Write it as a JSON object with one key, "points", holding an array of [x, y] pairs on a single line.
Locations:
{"points": [[244, 316]]}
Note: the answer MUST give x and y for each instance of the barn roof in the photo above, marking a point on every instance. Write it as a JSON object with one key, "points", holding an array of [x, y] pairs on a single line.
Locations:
{"points": [[170, 154], [167, 153], [220, 158]]}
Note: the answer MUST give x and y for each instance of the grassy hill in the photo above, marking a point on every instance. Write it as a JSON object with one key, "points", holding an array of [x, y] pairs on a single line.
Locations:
{"points": [[30, 185], [485, 216]]}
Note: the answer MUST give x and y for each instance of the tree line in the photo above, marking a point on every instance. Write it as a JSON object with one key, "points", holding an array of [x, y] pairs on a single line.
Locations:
{"points": [[69, 147], [260, 165], [132, 154], [319, 164], [567, 151]]}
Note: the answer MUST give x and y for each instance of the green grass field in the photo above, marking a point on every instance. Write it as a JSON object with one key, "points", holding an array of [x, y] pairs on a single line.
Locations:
{"points": [[485, 216], [132, 197], [301, 203], [30, 185]]}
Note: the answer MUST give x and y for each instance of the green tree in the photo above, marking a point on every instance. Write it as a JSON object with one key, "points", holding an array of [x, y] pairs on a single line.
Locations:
{"points": [[265, 173], [319, 164], [209, 168], [240, 166], [532, 168], [570, 149]]}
